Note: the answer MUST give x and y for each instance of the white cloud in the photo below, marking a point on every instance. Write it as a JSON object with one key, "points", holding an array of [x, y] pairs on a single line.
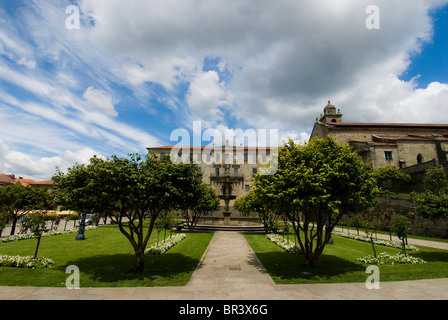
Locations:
{"points": [[278, 62], [99, 101], [206, 94], [298, 138], [40, 168], [286, 58]]}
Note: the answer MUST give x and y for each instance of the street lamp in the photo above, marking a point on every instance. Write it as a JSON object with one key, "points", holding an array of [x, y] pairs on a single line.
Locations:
{"points": [[82, 227]]}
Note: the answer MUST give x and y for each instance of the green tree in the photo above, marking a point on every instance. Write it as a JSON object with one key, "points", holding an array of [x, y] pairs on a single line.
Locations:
{"points": [[433, 203], [400, 226], [16, 201], [390, 177], [356, 222], [3, 221], [317, 183], [134, 187], [256, 202], [36, 221], [436, 180], [204, 201]]}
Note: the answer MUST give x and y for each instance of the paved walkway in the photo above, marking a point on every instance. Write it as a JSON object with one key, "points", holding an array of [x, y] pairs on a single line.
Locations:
{"points": [[229, 270]]}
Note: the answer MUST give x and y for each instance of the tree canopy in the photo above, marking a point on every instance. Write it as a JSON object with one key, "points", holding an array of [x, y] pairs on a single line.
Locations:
{"points": [[135, 187], [433, 203], [314, 186], [204, 201], [17, 201], [390, 177]]}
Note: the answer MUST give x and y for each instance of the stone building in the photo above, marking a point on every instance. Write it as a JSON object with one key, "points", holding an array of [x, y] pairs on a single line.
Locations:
{"points": [[228, 169], [404, 145]]}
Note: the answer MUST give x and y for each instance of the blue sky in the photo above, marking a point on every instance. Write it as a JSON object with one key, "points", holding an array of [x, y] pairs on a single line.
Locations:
{"points": [[137, 70], [431, 64]]}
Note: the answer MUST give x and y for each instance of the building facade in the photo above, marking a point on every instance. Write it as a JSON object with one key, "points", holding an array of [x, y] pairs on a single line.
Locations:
{"points": [[403, 145], [228, 169]]}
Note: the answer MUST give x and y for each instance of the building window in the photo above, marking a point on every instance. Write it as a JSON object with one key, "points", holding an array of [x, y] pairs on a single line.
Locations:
{"points": [[235, 172], [217, 172], [247, 188], [254, 170], [388, 155]]}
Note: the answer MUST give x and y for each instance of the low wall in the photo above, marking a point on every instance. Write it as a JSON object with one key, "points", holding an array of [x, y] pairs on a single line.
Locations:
{"points": [[419, 226], [237, 221], [236, 218]]}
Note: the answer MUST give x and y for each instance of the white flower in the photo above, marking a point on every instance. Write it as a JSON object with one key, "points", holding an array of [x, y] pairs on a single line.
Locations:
{"points": [[164, 246], [385, 258], [25, 262], [285, 244]]}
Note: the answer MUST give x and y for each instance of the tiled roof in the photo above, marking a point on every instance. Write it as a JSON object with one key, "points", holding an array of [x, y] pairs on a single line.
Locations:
{"points": [[25, 182], [6, 179], [403, 125], [11, 179], [45, 182], [409, 138], [384, 144], [210, 147]]}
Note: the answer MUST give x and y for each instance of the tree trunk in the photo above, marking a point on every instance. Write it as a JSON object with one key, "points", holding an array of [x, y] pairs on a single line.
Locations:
{"points": [[37, 247], [13, 226], [139, 260]]}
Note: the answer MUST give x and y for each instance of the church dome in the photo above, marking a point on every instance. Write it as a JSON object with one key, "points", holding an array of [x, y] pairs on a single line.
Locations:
{"points": [[329, 108]]}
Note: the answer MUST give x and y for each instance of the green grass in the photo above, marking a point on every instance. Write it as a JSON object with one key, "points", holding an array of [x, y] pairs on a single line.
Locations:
{"points": [[105, 259], [362, 231], [338, 263]]}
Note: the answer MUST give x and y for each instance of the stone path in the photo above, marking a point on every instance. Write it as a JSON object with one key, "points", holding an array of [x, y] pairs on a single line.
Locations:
{"points": [[229, 270]]}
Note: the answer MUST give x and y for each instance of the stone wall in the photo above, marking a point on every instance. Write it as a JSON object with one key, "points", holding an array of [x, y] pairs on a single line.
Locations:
{"points": [[419, 225]]}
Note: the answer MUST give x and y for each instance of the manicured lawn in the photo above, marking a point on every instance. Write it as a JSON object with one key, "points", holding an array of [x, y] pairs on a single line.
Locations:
{"points": [[339, 264], [105, 259]]}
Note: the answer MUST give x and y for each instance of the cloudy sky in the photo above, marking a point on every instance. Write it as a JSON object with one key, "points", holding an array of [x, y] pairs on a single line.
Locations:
{"points": [[130, 72]]}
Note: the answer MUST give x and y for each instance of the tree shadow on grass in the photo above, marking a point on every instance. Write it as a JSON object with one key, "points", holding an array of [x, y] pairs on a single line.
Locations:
{"points": [[117, 270], [291, 268], [430, 256]]}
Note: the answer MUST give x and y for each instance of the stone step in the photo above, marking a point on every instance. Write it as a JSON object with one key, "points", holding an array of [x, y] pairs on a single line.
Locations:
{"points": [[210, 228]]}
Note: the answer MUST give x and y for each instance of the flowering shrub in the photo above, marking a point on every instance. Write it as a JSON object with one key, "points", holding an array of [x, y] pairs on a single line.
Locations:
{"points": [[25, 262], [24, 236], [164, 246], [285, 244], [387, 243], [385, 258]]}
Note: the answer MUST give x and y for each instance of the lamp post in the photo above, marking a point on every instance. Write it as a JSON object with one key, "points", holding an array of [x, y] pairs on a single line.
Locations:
{"points": [[82, 227]]}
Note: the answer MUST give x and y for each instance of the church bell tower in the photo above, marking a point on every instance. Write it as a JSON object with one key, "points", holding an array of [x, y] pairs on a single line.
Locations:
{"points": [[330, 114]]}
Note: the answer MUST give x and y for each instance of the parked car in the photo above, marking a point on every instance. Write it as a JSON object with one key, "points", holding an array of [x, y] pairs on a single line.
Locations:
{"points": [[89, 219]]}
